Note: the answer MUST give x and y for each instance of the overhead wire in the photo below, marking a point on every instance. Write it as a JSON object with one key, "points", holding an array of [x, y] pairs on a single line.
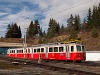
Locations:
{"points": [[95, 2], [48, 16], [70, 8], [43, 10], [88, 8]]}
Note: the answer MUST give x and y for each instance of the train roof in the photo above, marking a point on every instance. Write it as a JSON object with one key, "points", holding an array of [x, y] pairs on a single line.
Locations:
{"points": [[56, 44], [51, 44]]}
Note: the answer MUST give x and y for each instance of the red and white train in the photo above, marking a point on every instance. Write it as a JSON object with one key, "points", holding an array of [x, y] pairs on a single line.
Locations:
{"points": [[51, 51]]}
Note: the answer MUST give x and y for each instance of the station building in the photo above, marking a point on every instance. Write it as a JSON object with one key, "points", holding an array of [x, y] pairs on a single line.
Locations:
{"points": [[4, 46]]}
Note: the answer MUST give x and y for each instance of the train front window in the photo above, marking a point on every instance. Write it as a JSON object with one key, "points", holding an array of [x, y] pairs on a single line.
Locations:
{"points": [[78, 48]]}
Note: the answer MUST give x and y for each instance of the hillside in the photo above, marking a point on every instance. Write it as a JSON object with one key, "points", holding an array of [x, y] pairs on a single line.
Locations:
{"points": [[91, 44]]}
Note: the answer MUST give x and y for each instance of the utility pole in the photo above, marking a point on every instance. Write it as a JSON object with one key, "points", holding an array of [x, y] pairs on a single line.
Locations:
{"points": [[25, 45]]}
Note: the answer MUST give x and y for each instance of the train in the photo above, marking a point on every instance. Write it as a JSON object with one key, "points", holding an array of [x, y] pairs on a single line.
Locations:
{"points": [[52, 51]]}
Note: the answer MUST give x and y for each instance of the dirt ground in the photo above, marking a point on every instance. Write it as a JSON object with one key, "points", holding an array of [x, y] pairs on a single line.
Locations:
{"points": [[7, 68]]}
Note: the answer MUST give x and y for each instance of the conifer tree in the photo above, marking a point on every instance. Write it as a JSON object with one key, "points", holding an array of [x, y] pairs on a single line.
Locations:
{"points": [[30, 30], [89, 20], [70, 21], [19, 32], [94, 17], [77, 23], [98, 16], [53, 28], [34, 29], [62, 29], [44, 33], [13, 31], [8, 34]]}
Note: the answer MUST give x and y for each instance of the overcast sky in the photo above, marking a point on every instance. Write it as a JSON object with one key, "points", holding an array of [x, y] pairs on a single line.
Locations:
{"points": [[24, 11]]}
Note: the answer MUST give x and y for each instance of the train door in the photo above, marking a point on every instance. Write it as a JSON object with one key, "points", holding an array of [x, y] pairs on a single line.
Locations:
{"points": [[27, 52], [67, 52], [32, 52], [24, 51], [46, 52]]}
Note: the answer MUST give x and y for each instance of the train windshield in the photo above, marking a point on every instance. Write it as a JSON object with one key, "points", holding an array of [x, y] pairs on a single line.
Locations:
{"points": [[78, 48]]}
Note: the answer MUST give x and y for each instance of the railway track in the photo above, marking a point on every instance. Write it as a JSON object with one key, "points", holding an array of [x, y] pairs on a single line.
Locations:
{"points": [[67, 68], [83, 63]]}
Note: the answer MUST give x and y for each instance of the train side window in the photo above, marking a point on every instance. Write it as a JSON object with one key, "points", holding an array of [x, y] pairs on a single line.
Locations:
{"points": [[61, 49], [22, 51], [38, 50], [14, 51], [42, 49], [28, 50], [10, 51], [72, 48], [83, 48], [34, 50], [17, 51], [55, 49], [50, 49]]}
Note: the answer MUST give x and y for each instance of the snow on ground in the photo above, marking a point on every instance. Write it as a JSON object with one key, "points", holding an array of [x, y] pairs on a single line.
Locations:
{"points": [[93, 56]]}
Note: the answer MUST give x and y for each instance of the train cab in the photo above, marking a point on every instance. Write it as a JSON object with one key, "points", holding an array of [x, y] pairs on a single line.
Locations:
{"points": [[75, 52]]}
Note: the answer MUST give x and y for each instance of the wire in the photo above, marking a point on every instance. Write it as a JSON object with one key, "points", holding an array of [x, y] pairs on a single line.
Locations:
{"points": [[70, 8], [95, 2], [43, 10]]}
